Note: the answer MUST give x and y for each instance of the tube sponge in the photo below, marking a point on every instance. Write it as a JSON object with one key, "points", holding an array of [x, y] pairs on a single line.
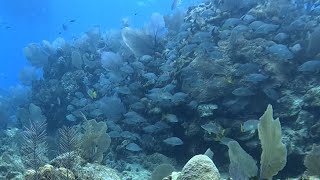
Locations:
{"points": [[274, 152]]}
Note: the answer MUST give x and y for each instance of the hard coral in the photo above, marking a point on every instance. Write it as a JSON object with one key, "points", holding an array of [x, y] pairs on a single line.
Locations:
{"points": [[199, 167]]}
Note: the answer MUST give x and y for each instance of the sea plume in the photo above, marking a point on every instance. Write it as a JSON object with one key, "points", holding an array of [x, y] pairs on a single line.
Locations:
{"points": [[68, 142], [34, 147]]}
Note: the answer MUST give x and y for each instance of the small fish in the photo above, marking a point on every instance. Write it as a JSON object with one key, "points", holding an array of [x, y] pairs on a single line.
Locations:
{"points": [[59, 101], [72, 21], [209, 153], [242, 91], [312, 66], [226, 140], [175, 4], [133, 147], [125, 22], [3, 76], [250, 125], [213, 128], [64, 27], [170, 118], [252, 144], [173, 141]]}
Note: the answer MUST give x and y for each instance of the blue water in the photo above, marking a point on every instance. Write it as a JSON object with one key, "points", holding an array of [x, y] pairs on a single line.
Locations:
{"points": [[26, 21]]}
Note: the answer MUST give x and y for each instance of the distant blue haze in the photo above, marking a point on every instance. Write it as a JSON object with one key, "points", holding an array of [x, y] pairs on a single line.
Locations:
{"points": [[25, 21]]}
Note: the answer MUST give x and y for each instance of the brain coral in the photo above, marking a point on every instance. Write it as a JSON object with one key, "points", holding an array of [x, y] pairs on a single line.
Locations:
{"points": [[200, 167]]}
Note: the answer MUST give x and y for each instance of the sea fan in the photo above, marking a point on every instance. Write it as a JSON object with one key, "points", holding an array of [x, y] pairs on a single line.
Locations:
{"points": [[34, 146]]}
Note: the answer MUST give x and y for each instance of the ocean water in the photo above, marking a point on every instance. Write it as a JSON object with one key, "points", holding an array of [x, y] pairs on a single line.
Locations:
{"points": [[159, 89], [36, 20]]}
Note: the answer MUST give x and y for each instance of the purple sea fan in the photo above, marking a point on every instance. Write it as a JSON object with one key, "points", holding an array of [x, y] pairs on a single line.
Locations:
{"points": [[112, 107], [156, 27], [111, 61]]}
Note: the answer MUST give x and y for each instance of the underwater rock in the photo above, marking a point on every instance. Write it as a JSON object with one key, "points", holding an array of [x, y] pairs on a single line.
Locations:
{"points": [[76, 160], [153, 160], [97, 171], [197, 85], [315, 131], [49, 172], [162, 171], [304, 120], [11, 166], [312, 97], [290, 105]]}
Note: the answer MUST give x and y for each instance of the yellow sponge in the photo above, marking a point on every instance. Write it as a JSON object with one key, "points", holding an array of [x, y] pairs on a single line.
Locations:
{"points": [[274, 152]]}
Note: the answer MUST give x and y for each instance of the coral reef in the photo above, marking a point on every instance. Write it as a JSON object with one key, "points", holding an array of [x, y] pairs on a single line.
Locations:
{"points": [[189, 81]]}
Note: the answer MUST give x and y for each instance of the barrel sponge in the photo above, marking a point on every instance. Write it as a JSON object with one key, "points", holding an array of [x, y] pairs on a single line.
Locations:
{"points": [[274, 152], [200, 167]]}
